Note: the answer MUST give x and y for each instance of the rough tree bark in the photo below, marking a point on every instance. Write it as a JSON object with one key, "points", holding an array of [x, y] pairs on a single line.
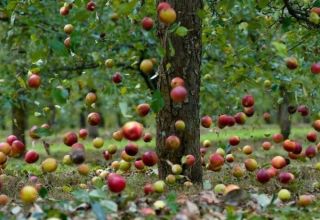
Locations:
{"points": [[19, 119], [283, 114], [185, 63]]}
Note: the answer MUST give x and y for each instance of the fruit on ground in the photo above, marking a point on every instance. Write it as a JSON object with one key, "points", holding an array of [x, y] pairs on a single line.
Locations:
{"points": [[206, 121], [289, 145], [132, 130], [278, 162], [285, 177], [147, 137], [159, 186], [267, 117], [124, 156], [49, 165], [249, 111], [284, 195], [150, 158], [107, 155], [238, 171], [311, 152], [240, 118], [77, 156], [68, 29], [17, 148], [247, 101], [117, 78], [148, 188], [70, 138], [67, 159], [131, 149], [11, 138], [31, 156], [305, 200], [34, 81], [266, 145], [5, 148], [315, 68], [177, 81], [312, 136], [83, 133], [234, 140], [277, 138], [316, 125], [109, 63], [143, 109], [251, 164], [83, 169], [176, 169], [178, 94], [147, 23], [247, 149], [173, 142], [91, 6], [171, 179], [146, 66], [219, 188], [28, 194], [167, 16], [112, 148], [229, 158], [188, 160], [216, 160], [4, 199], [116, 183], [94, 118], [77, 146], [263, 176], [91, 98], [138, 164], [291, 63], [117, 135], [98, 142]]}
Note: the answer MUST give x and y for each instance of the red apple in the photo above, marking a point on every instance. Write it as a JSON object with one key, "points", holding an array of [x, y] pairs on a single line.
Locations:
{"points": [[177, 81], [206, 121], [64, 11], [149, 158], [291, 63], [34, 81], [247, 101], [83, 133], [94, 118], [117, 78], [297, 149], [277, 138], [147, 137], [315, 10], [266, 145], [267, 117], [311, 152], [17, 148], [312, 136], [77, 146], [11, 139], [303, 110], [285, 177], [316, 125], [249, 111], [147, 23], [173, 142], [143, 109], [116, 183], [189, 160], [240, 118], [163, 6], [139, 165], [315, 68], [278, 162], [31, 156], [132, 130], [148, 188], [107, 155], [70, 138], [289, 145], [178, 94], [216, 160], [234, 140], [91, 6], [131, 149], [263, 176]]}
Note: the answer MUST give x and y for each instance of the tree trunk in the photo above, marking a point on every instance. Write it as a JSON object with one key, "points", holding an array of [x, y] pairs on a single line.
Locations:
{"points": [[19, 120], [283, 114], [185, 63]]}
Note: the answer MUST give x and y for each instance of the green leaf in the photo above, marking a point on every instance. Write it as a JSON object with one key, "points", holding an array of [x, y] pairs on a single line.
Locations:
{"points": [[281, 48], [181, 31], [157, 101], [60, 95], [43, 192], [81, 195], [171, 202], [109, 206], [97, 194], [98, 211]]}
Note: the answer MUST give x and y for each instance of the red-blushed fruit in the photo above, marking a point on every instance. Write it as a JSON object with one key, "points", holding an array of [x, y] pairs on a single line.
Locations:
{"points": [[3, 158], [107, 155], [91, 98], [17, 148], [11, 138], [262, 176], [5, 148], [177, 81], [132, 130], [147, 23], [272, 172], [216, 160], [28, 194], [277, 138], [131, 149], [206, 143], [64, 11], [94, 118], [285, 177], [251, 164], [292, 63], [91, 6], [297, 149], [278, 162], [180, 125], [229, 158], [77, 146], [138, 164], [189, 160], [83, 169], [117, 135], [83, 133], [68, 29], [178, 94], [31, 156], [147, 137], [49, 165], [223, 121], [34, 81], [150, 158], [206, 121], [143, 109], [116, 183], [163, 6], [203, 151], [32, 132], [316, 125], [249, 111], [77, 156], [126, 157], [311, 152], [289, 145], [266, 145], [247, 149], [70, 138], [173, 142], [312, 136], [305, 200], [303, 110], [146, 66], [67, 42], [267, 117], [247, 101], [4, 200], [231, 121], [167, 16], [117, 78], [237, 171], [240, 118], [148, 189], [234, 140], [315, 10], [315, 68]]}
